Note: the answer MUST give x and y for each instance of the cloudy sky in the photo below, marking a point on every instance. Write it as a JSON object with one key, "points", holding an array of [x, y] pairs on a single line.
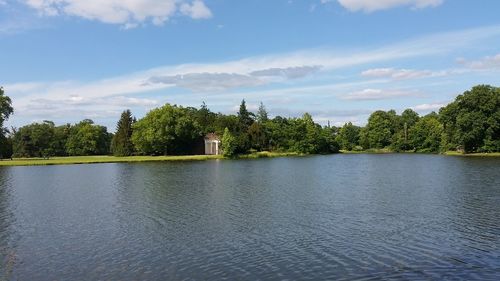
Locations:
{"points": [[65, 60]]}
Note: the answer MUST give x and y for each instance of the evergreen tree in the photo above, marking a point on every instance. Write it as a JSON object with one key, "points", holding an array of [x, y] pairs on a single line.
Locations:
{"points": [[244, 117], [228, 143], [262, 116], [122, 140]]}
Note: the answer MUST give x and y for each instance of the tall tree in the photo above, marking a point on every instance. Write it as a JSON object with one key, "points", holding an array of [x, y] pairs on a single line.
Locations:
{"points": [[88, 139], [244, 116], [262, 115], [34, 140], [5, 111], [425, 135], [472, 121], [5, 107], [228, 143], [122, 140], [348, 136], [257, 136], [206, 119], [380, 129], [167, 130]]}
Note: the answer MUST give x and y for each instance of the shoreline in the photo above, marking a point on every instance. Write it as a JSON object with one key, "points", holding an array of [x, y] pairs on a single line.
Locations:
{"points": [[98, 159], [75, 160]]}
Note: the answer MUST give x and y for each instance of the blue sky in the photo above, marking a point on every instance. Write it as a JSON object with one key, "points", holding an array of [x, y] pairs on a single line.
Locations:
{"points": [[65, 60]]}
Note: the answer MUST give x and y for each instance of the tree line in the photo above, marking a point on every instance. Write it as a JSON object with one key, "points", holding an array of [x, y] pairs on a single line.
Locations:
{"points": [[470, 124]]}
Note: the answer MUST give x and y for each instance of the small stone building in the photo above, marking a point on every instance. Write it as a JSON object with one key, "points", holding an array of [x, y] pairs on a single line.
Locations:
{"points": [[212, 144]]}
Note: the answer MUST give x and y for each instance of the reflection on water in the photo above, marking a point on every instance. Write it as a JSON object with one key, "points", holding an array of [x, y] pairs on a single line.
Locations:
{"points": [[311, 218]]}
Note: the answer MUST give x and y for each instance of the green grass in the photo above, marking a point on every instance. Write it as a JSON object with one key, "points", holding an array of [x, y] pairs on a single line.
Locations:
{"points": [[129, 159], [456, 153], [267, 154], [101, 159], [368, 151], [448, 153]]}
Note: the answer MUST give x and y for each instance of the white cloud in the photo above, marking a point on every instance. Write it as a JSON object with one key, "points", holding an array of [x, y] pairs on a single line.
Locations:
{"points": [[376, 5], [289, 72], [196, 10], [489, 62], [128, 13], [426, 107], [378, 94], [397, 74], [220, 81], [210, 82]]}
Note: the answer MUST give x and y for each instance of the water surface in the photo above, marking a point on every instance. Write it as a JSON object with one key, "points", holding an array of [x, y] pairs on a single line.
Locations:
{"points": [[365, 217]]}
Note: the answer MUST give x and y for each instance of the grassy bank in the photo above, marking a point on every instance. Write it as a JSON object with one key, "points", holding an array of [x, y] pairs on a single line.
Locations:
{"points": [[267, 154], [448, 153], [101, 159], [129, 159], [368, 151], [455, 153]]}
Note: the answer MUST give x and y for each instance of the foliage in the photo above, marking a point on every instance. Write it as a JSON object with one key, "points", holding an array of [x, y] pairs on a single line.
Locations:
{"points": [[5, 111], [348, 136], [380, 129], [228, 143], [121, 144], [85, 138], [6, 149], [425, 135], [257, 136], [34, 140], [168, 130], [262, 115], [5, 107], [472, 122], [245, 118]]}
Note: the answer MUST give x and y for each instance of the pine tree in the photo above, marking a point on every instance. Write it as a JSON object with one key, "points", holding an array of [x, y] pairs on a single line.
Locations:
{"points": [[122, 143], [245, 117], [262, 114]]}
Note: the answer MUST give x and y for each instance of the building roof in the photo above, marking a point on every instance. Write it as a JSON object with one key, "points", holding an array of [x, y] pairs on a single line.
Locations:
{"points": [[212, 136]]}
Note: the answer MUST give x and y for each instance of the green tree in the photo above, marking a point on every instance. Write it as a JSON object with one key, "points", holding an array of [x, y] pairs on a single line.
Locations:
{"points": [[245, 118], [228, 143], [122, 140], [380, 129], [472, 121], [328, 142], [167, 130], [400, 139], [262, 115], [85, 138], [5, 107], [257, 136], [425, 135], [5, 111], [348, 136], [34, 140], [60, 138], [206, 120], [6, 147]]}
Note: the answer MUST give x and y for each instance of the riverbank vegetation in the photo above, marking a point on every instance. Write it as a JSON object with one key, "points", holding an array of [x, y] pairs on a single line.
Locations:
{"points": [[470, 124]]}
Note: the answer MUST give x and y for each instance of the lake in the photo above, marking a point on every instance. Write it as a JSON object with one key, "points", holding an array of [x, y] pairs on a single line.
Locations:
{"points": [[352, 217]]}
